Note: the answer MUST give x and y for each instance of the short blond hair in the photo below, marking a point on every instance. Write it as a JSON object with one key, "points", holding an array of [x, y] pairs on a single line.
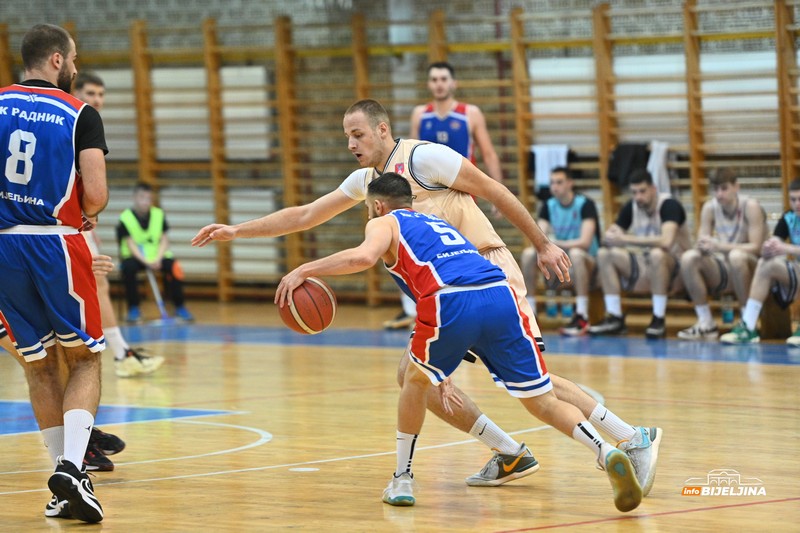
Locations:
{"points": [[372, 109]]}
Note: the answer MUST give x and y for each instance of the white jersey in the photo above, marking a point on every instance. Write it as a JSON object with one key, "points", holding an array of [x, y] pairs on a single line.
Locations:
{"points": [[733, 229], [649, 225], [431, 169]]}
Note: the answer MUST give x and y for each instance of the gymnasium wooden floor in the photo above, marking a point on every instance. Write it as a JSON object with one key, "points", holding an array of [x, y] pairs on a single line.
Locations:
{"points": [[250, 427]]}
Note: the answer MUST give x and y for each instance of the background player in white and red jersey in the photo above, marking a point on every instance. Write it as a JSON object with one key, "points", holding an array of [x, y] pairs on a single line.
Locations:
{"points": [[454, 287], [458, 125], [444, 183], [54, 174]]}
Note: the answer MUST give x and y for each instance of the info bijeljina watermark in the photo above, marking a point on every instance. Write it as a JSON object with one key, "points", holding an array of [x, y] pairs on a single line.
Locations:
{"points": [[724, 482]]}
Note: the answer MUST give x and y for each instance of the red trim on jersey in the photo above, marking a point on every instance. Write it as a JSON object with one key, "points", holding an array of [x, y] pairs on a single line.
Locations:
{"points": [[461, 108], [8, 329], [429, 108], [526, 326], [83, 282], [419, 278], [426, 328], [46, 91]]}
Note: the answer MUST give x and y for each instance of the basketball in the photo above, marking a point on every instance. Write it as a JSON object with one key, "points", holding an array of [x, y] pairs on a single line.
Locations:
{"points": [[311, 309]]}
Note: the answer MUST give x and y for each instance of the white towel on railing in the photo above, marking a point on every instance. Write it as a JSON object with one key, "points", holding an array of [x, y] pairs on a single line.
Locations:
{"points": [[548, 157], [657, 165]]}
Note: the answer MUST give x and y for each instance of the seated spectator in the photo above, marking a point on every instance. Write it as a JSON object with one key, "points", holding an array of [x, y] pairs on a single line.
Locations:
{"points": [[733, 227], [143, 243], [641, 253], [572, 222], [775, 272]]}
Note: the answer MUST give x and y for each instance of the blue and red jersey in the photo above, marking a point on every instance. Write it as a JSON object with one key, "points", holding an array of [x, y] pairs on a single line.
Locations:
{"points": [[451, 130], [432, 255], [41, 185]]}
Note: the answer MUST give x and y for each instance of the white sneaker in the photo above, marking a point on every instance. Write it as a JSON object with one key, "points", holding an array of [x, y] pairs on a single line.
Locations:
{"points": [[642, 449], [794, 340], [699, 332], [621, 474], [400, 490], [135, 363], [503, 468]]}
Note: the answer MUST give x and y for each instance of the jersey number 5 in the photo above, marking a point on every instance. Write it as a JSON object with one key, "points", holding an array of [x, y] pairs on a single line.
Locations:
{"points": [[19, 165], [449, 236]]}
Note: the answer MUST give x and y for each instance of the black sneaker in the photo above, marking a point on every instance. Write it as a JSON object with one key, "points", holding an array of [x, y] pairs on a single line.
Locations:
{"points": [[106, 442], [95, 460], [611, 325], [56, 508], [657, 328], [577, 327], [69, 483]]}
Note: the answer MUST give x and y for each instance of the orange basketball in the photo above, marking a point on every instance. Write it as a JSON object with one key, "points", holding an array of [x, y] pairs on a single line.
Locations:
{"points": [[311, 308]]}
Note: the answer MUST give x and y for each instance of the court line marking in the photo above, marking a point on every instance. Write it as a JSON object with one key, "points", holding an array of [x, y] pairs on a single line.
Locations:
{"points": [[273, 467], [265, 437], [649, 515]]}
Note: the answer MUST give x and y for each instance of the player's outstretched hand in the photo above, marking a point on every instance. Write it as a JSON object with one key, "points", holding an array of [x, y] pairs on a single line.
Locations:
{"points": [[551, 257], [288, 284], [449, 396], [102, 265], [214, 232]]}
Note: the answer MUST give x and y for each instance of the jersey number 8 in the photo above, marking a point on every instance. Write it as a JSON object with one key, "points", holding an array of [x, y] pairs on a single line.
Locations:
{"points": [[22, 145]]}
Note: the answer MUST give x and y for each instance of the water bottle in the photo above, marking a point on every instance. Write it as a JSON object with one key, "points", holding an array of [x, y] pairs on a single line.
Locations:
{"points": [[727, 309], [550, 305], [567, 308]]}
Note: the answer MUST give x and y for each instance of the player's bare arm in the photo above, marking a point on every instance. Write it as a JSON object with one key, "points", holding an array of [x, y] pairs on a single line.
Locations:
{"points": [[549, 256], [282, 222], [669, 231], [416, 118], [379, 238], [480, 134], [584, 240], [92, 162]]}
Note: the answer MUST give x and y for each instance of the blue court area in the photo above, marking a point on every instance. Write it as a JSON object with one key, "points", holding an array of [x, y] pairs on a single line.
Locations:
{"points": [[17, 416], [630, 347]]}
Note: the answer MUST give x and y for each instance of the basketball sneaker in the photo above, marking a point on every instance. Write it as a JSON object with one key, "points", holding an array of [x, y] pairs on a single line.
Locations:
{"points": [[134, 315], [95, 460], [740, 335], [184, 314], [642, 450], [106, 442], [577, 327], [56, 508], [794, 340], [699, 332], [621, 474], [610, 325], [657, 328], [503, 468], [401, 321], [400, 491], [135, 363], [69, 483]]}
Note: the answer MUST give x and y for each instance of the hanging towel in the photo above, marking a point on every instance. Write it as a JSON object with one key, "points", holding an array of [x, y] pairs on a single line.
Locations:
{"points": [[626, 158], [657, 166], [547, 157]]}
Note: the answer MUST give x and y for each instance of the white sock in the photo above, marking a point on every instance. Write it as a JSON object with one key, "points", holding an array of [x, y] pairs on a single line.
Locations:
{"points": [[659, 305], [585, 433], [532, 302], [613, 304], [492, 436], [405, 452], [582, 306], [750, 314], [409, 307], [704, 315], [54, 442], [611, 423], [77, 428], [116, 341]]}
